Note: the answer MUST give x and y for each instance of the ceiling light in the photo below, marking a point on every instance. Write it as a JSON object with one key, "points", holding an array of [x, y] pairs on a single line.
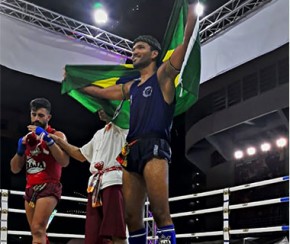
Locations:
{"points": [[281, 142], [238, 154], [251, 151], [100, 16], [265, 147]]}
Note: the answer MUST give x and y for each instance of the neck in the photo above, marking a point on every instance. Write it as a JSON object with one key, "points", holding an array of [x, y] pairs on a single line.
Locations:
{"points": [[147, 72]]}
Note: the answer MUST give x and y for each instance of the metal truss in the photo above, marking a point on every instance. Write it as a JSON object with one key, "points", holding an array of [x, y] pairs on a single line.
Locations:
{"points": [[71, 28], [227, 15], [210, 25]]}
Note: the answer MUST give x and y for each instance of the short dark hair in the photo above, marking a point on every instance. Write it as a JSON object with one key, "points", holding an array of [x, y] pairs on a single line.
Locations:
{"points": [[152, 41], [38, 103]]}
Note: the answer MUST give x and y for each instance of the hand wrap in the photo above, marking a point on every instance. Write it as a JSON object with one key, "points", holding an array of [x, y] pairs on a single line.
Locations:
{"points": [[40, 131], [21, 147]]}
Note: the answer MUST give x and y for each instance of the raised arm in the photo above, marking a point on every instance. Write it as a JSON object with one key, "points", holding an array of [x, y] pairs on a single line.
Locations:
{"points": [[116, 92], [170, 69], [177, 56]]}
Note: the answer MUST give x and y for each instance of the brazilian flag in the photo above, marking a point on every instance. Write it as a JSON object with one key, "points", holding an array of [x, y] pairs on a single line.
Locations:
{"points": [[187, 82]]}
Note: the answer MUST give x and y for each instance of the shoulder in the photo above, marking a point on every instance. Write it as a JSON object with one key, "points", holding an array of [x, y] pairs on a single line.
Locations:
{"points": [[60, 134], [119, 129], [99, 132], [129, 84]]}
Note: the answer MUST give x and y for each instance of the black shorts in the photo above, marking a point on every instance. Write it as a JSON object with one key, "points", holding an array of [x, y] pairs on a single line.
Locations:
{"points": [[144, 150]]}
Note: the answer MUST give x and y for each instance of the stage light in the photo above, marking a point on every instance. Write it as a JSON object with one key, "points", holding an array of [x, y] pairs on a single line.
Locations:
{"points": [[281, 142], [199, 9], [251, 151], [238, 154], [265, 147], [100, 16]]}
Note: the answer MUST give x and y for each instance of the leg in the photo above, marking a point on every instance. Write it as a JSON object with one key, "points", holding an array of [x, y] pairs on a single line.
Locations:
{"points": [[134, 198], [156, 177], [43, 209], [134, 192], [29, 213], [93, 223]]}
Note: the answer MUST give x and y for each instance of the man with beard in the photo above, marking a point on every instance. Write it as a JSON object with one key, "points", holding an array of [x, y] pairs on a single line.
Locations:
{"points": [[146, 155], [44, 160]]}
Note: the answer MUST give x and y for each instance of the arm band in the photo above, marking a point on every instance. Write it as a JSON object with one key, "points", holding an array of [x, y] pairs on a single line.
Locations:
{"points": [[177, 70]]}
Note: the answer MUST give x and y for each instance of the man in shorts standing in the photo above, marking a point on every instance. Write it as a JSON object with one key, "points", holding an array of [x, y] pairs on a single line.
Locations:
{"points": [[146, 155], [44, 160]]}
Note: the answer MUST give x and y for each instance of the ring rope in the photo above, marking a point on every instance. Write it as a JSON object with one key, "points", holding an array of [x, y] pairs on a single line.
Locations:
{"points": [[226, 232]]}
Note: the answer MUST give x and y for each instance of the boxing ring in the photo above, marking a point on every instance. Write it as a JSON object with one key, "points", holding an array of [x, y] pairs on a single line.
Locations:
{"points": [[225, 209]]}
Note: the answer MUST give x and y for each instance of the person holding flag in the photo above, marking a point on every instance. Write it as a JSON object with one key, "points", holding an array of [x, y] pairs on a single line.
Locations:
{"points": [[156, 94], [153, 100]]}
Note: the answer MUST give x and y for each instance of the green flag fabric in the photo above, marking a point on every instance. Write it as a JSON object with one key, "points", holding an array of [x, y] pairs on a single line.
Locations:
{"points": [[187, 82]]}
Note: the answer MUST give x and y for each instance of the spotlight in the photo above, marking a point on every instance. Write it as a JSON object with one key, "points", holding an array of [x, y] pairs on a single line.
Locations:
{"points": [[100, 16], [281, 142], [238, 154], [199, 9], [265, 147], [251, 151]]}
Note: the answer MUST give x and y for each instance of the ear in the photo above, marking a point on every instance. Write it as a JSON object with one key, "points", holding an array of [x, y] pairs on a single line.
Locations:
{"points": [[154, 54], [49, 117]]}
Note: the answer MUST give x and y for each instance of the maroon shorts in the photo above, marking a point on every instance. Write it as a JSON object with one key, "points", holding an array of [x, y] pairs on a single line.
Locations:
{"points": [[108, 220], [51, 189]]}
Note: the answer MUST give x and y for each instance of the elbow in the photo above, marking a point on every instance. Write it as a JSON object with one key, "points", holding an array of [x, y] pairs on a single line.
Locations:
{"points": [[15, 170], [65, 164]]}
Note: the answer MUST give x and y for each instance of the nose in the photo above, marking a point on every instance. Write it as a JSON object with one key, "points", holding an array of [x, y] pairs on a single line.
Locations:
{"points": [[134, 52]]}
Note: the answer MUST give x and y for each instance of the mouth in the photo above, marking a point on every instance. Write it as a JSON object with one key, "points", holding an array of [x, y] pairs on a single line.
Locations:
{"points": [[135, 59], [37, 123]]}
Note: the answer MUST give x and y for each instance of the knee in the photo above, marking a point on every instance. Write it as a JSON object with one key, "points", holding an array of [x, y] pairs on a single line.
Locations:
{"points": [[133, 221], [38, 230], [129, 218], [161, 217]]}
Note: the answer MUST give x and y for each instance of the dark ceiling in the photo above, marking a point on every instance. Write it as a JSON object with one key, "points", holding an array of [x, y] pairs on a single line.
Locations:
{"points": [[128, 18]]}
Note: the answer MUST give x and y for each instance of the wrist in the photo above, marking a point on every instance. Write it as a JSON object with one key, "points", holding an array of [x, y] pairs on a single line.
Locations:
{"points": [[20, 154], [21, 147], [49, 142]]}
